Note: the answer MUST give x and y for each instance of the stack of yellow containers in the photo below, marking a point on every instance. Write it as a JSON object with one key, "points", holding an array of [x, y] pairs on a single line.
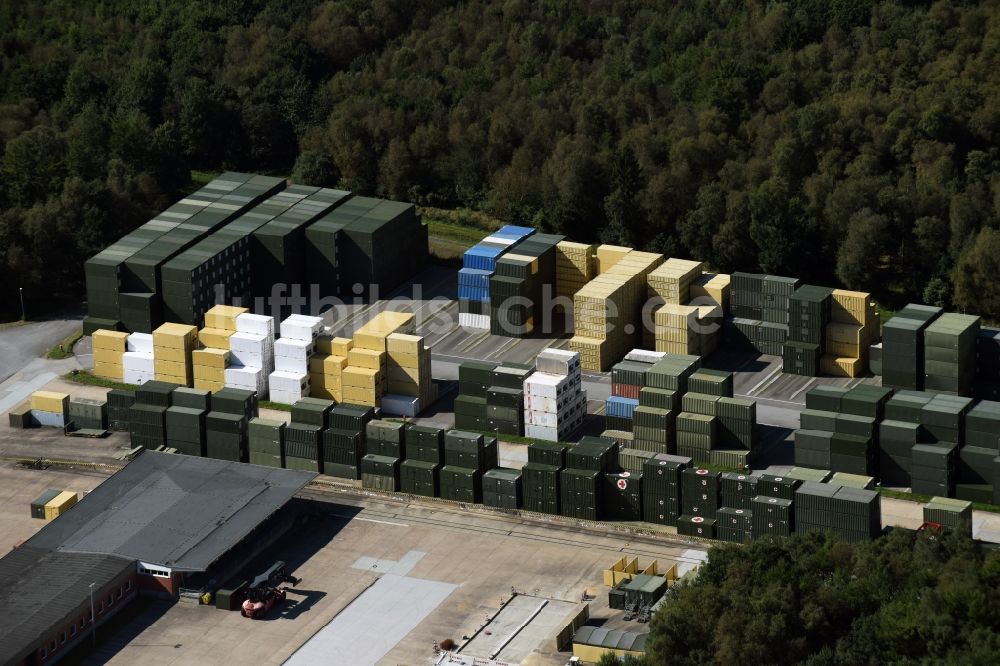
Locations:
{"points": [[607, 312], [575, 267], [220, 324], [409, 365], [671, 284], [711, 287], [365, 378], [173, 345], [853, 327], [326, 367], [108, 349], [677, 329], [608, 256], [208, 368]]}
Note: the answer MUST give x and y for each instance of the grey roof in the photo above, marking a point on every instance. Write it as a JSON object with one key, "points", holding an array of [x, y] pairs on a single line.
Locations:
{"points": [[40, 589], [610, 638], [174, 510]]}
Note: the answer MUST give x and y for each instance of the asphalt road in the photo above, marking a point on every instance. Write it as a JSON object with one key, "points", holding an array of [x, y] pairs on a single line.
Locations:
{"points": [[20, 345]]}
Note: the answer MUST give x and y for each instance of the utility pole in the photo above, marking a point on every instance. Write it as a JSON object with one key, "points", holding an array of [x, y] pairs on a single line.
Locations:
{"points": [[93, 618], [20, 291]]}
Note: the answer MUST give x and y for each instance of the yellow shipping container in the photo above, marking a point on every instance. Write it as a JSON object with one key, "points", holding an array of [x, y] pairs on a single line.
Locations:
{"points": [[170, 354], [609, 255], [334, 346], [211, 374], [711, 286], [851, 307], [108, 356], [404, 344], [370, 341], [336, 395], [404, 388], [210, 358], [109, 370], [835, 366], [366, 358], [50, 401], [404, 360], [175, 336], [327, 364], [325, 381], [208, 385], [361, 377], [60, 504], [174, 379], [112, 340], [398, 374], [222, 317], [360, 396], [217, 338], [171, 368]]}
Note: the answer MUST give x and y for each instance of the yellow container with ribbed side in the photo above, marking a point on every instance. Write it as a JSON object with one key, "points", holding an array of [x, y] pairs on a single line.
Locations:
{"points": [[50, 401], [217, 338], [366, 358], [327, 364], [333, 346], [60, 504], [208, 385], [210, 358], [109, 370], [175, 336], [112, 340], [224, 317], [108, 356]]}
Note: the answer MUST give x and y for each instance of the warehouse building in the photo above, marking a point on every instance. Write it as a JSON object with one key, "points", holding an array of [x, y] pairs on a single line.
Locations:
{"points": [[163, 525]]}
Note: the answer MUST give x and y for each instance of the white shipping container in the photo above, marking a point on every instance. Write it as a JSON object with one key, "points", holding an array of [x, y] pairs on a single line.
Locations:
{"points": [[137, 376], [541, 432], [285, 397], [301, 327], [562, 405], [547, 385], [469, 320], [291, 365], [250, 349], [558, 362], [400, 405], [49, 419], [140, 342], [288, 381], [294, 349], [138, 361], [644, 356], [256, 324]]}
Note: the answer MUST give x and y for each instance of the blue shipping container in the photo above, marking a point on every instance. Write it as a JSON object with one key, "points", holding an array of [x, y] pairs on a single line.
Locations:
{"points": [[621, 407]]}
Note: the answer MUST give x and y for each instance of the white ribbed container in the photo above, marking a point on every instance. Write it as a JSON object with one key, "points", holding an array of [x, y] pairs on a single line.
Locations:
{"points": [[469, 320], [301, 327], [292, 348], [256, 324], [250, 349], [49, 419], [558, 362], [541, 432], [140, 342], [287, 387]]}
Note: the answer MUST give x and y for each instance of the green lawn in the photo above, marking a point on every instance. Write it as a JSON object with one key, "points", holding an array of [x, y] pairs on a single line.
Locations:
{"points": [[277, 406], [65, 347], [85, 377], [202, 177]]}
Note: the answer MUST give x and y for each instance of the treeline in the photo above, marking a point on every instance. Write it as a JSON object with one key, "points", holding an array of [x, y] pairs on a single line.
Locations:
{"points": [[909, 598], [845, 142]]}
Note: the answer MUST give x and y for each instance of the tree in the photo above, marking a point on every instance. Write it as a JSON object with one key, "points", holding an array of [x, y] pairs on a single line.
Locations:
{"points": [[859, 258], [315, 168], [33, 165], [976, 286]]}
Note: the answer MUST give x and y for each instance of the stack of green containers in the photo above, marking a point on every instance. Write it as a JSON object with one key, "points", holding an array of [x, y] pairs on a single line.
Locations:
{"points": [[839, 429], [700, 490], [380, 473], [776, 298], [323, 239], [932, 469], [852, 447], [711, 382], [853, 514], [697, 426], [903, 346], [344, 441], [898, 434], [953, 514], [770, 485], [540, 476], [979, 458], [502, 488], [461, 484], [734, 525], [120, 402], [148, 415], [622, 495], [523, 273], [581, 483], [772, 516], [505, 398], [654, 427], [386, 439], [278, 248], [226, 436], [236, 401], [467, 455], [661, 488], [696, 526], [302, 447], [950, 354], [87, 414], [312, 411], [266, 442], [632, 460], [186, 430], [808, 315], [747, 298], [672, 372], [987, 386], [474, 380], [738, 490], [420, 473], [737, 432]]}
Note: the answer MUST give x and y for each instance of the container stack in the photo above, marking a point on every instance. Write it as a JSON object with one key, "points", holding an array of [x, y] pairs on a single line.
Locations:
{"points": [[808, 316], [502, 488], [853, 514], [478, 265], [662, 476], [575, 267], [474, 380], [738, 490], [226, 426], [120, 401], [109, 351], [148, 415], [185, 420], [950, 354], [853, 327], [734, 525], [220, 324], [172, 347], [581, 483], [138, 366], [289, 382], [711, 289], [410, 385], [978, 458], [748, 296], [505, 398], [50, 409], [540, 476], [622, 496], [736, 443], [345, 440], [365, 378], [87, 414], [524, 275], [772, 516], [700, 494], [420, 473], [266, 442], [952, 514], [251, 350], [467, 456], [670, 284], [687, 329], [987, 386], [380, 473], [607, 312], [607, 256], [840, 429], [555, 403], [654, 421], [327, 365], [208, 367], [903, 346]]}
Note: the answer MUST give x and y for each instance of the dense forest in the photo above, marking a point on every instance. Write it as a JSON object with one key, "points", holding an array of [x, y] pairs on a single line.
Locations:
{"points": [[846, 142], [905, 599]]}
